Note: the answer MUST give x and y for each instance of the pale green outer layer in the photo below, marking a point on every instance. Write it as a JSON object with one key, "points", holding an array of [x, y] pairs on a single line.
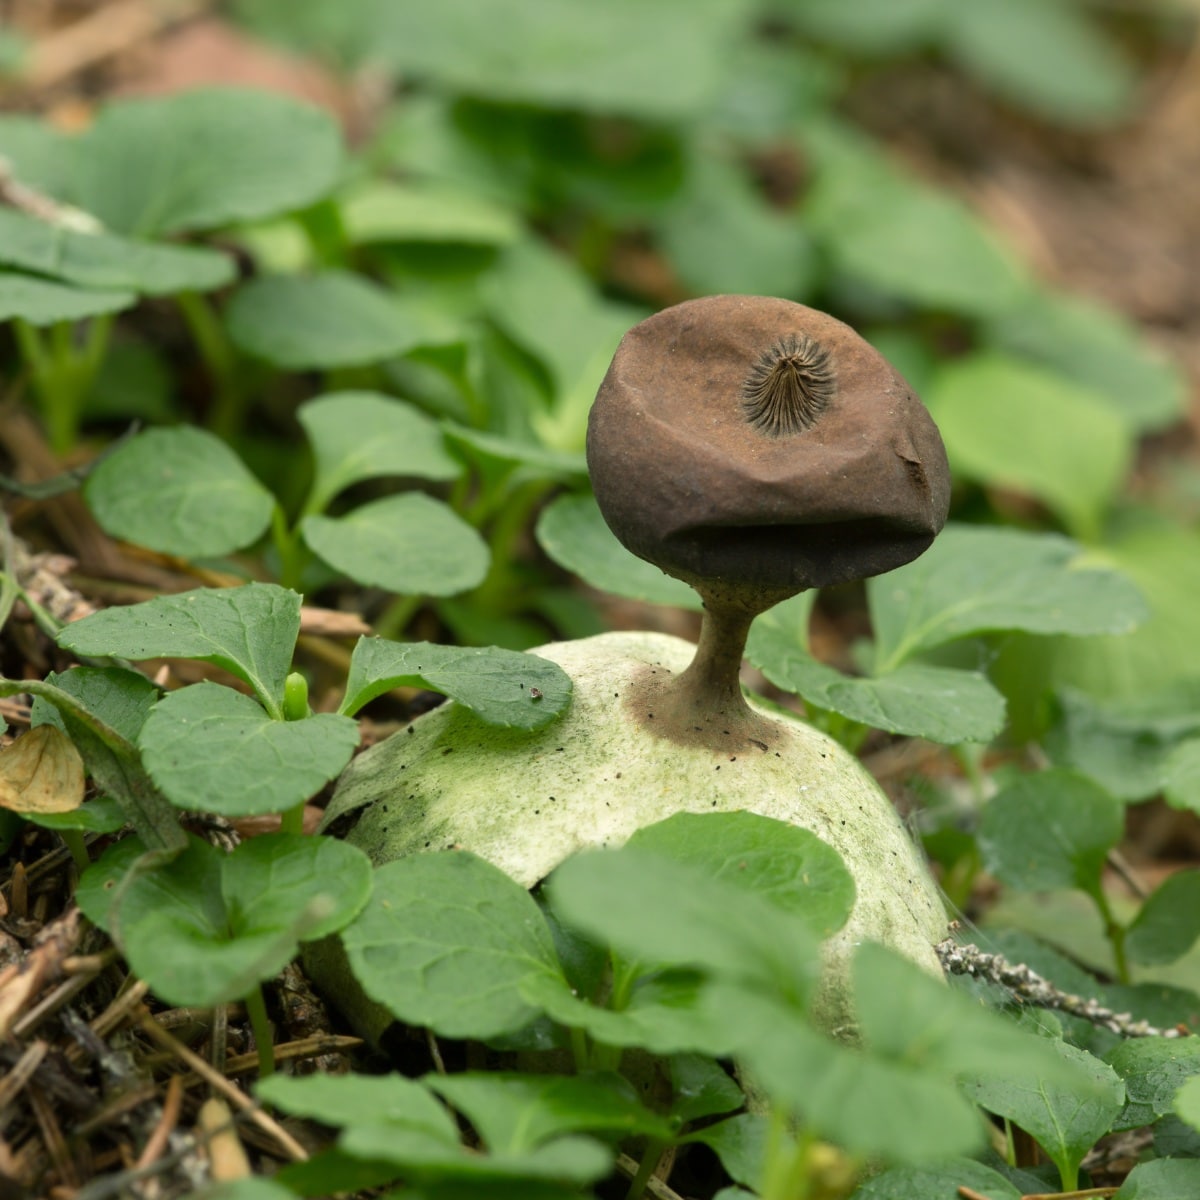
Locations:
{"points": [[525, 802]]}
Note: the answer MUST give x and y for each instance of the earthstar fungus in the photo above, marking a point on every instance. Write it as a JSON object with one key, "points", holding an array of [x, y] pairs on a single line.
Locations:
{"points": [[755, 448]]}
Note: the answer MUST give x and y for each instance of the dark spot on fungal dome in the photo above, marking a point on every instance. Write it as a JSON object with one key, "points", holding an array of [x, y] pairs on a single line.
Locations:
{"points": [[789, 386]]}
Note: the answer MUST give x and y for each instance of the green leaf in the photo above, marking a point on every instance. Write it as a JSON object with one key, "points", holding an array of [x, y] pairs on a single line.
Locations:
{"points": [[789, 866], [425, 211], [410, 543], [1099, 348], [179, 491], [1066, 1121], [318, 322], [364, 435], [1153, 1070], [248, 1188], [43, 302], [1161, 1179], [570, 1159], [119, 697], [102, 815], [1168, 923], [872, 26], [515, 1113], [201, 159], [741, 1143], [1187, 1101], [1128, 745], [508, 461], [976, 580], [341, 1100], [1011, 425], [549, 307], [1181, 784], [908, 1016], [654, 910], [866, 1104], [701, 1088], [249, 631], [658, 59], [722, 236], [940, 1182], [1050, 58], [113, 763], [944, 704], [98, 260], [1163, 560], [572, 532], [903, 238], [502, 687], [668, 1012], [211, 926], [212, 749], [1076, 821], [447, 941]]}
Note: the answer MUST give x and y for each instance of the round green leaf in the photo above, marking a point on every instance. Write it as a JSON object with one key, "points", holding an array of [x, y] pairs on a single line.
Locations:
{"points": [[975, 579], [448, 941], [202, 159], [907, 239], [1181, 786], [411, 544], [43, 302], [209, 927], [783, 863], [661, 59], [941, 1182], [1066, 1121], [1099, 348], [573, 533], [315, 322], [213, 749], [179, 491], [1153, 1070], [502, 687], [1011, 425], [364, 435], [1050, 830], [1168, 923], [249, 631], [98, 260], [1162, 1179], [1051, 58], [380, 211]]}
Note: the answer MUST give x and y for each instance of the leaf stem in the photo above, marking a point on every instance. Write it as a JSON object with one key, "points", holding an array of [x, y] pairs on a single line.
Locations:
{"points": [[396, 616], [786, 1171], [264, 1035], [1113, 930], [291, 820], [78, 847], [220, 360], [652, 1154]]}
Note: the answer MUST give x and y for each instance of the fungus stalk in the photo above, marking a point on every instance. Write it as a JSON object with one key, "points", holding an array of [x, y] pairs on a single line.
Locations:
{"points": [[705, 701]]}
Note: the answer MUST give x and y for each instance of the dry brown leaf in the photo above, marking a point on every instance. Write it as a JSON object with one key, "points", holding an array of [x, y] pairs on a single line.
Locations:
{"points": [[41, 772]]}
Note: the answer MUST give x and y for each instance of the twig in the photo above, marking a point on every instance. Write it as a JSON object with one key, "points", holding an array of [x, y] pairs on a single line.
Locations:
{"points": [[220, 1084], [157, 1142], [1028, 986], [20, 1073]]}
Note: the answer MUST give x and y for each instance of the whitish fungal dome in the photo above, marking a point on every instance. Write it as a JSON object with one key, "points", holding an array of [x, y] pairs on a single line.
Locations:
{"points": [[749, 441]]}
